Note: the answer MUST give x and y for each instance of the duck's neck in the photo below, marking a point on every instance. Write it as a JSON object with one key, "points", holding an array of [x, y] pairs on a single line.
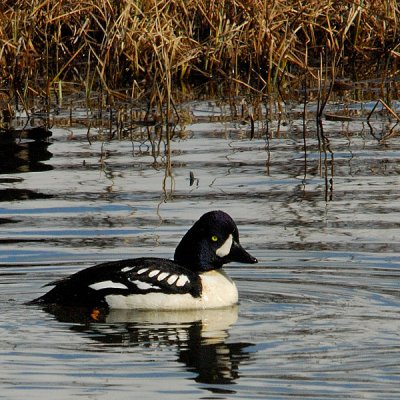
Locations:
{"points": [[196, 256]]}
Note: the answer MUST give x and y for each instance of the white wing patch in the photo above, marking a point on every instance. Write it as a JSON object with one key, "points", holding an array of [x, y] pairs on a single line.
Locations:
{"points": [[162, 276], [172, 279], [142, 271], [145, 286], [146, 279], [107, 285], [183, 279], [127, 269], [154, 272], [225, 249]]}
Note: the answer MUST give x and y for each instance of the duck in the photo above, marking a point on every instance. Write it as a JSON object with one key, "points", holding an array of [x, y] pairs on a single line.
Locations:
{"points": [[193, 280]]}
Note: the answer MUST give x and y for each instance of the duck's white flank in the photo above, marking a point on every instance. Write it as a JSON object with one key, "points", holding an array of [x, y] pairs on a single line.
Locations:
{"points": [[218, 291]]}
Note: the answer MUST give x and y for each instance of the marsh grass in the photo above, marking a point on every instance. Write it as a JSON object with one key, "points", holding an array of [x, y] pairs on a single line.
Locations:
{"points": [[145, 47]]}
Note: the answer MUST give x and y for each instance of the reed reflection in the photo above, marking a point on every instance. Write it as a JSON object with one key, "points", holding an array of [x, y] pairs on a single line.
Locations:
{"points": [[24, 150]]}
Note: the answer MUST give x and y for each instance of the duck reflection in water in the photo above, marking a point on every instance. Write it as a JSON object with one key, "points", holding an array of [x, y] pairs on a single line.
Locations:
{"points": [[200, 336]]}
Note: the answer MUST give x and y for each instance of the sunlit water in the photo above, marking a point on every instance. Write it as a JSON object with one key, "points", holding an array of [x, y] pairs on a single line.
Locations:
{"points": [[319, 315]]}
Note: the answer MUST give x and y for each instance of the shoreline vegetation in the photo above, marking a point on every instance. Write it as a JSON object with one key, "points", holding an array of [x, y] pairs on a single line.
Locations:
{"points": [[130, 49]]}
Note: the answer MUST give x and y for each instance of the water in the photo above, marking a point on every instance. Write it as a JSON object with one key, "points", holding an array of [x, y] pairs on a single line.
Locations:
{"points": [[319, 315]]}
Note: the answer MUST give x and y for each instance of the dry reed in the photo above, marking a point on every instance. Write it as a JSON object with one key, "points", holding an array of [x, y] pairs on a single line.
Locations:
{"points": [[143, 47]]}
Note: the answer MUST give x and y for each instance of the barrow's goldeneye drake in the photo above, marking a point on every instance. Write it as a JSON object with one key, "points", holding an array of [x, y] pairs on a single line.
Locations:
{"points": [[193, 280]]}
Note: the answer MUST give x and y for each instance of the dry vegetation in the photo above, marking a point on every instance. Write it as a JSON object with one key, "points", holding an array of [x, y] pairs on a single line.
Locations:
{"points": [[145, 47]]}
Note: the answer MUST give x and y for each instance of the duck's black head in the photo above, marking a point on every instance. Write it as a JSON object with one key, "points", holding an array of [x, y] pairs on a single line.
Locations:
{"points": [[210, 243]]}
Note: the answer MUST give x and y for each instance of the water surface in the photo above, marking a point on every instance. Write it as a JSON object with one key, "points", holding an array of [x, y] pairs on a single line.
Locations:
{"points": [[318, 315]]}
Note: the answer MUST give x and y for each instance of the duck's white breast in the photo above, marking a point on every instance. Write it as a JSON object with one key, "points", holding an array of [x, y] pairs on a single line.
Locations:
{"points": [[218, 290]]}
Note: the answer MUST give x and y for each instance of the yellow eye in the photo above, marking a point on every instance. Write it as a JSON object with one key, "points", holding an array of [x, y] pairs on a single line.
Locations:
{"points": [[214, 238]]}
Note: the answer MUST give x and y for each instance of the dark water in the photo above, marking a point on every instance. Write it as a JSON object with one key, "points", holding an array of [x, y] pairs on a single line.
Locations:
{"points": [[319, 316]]}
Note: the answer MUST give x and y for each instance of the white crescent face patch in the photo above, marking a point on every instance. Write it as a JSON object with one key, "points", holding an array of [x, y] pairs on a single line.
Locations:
{"points": [[225, 249]]}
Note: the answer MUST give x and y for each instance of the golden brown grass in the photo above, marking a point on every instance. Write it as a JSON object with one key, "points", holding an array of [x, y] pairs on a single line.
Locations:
{"points": [[144, 47]]}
